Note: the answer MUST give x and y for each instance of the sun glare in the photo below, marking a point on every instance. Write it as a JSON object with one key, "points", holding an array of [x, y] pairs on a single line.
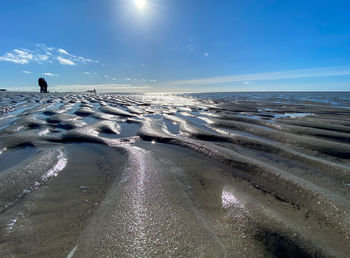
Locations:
{"points": [[140, 3]]}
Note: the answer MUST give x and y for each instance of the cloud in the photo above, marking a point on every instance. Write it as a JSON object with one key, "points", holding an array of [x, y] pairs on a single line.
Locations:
{"points": [[247, 83], [206, 54], [27, 72], [44, 54], [102, 87], [64, 61], [62, 51], [43, 57], [270, 76], [17, 56], [50, 74], [90, 73]]}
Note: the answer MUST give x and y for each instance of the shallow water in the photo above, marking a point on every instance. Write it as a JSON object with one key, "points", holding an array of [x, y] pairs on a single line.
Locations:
{"points": [[219, 175]]}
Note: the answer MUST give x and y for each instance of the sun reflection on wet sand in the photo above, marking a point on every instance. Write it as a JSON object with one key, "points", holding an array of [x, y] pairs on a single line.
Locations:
{"points": [[231, 202], [138, 202]]}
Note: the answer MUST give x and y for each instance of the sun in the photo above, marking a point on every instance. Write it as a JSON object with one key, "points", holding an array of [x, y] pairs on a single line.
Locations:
{"points": [[140, 3]]}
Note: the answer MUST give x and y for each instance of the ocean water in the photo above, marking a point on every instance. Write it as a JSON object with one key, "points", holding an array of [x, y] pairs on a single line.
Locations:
{"points": [[331, 98], [220, 174]]}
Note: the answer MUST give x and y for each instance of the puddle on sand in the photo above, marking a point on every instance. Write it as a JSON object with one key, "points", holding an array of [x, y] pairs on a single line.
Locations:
{"points": [[12, 157], [90, 120], [173, 127], [129, 129], [126, 130]]}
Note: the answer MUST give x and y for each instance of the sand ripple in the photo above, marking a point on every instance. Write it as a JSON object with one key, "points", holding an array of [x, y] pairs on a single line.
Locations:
{"points": [[215, 177]]}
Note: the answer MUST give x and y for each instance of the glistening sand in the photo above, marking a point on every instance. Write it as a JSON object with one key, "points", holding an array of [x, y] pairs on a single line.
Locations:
{"points": [[206, 175]]}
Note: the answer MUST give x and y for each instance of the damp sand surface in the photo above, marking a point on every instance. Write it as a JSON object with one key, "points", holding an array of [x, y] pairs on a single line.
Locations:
{"points": [[191, 175]]}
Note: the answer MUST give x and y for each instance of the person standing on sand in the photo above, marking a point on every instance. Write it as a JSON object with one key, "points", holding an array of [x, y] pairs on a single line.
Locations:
{"points": [[43, 85]]}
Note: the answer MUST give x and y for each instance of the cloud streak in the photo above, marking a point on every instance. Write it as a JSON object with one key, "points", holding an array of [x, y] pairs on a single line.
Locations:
{"points": [[90, 73], [50, 74], [43, 54], [270, 76], [64, 61], [122, 87]]}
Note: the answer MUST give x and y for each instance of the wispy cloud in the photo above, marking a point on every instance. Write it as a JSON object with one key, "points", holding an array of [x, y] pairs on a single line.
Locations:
{"points": [[62, 51], [271, 76], [18, 56], [27, 72], [51, 74], [206, 54], [64, 61], [90, 73], [139, 80], [44, 54], [103, 87]]}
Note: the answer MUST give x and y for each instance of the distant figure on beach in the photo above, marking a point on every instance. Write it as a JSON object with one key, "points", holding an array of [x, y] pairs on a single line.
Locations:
{"points": [[43, 85], [95, 91]]}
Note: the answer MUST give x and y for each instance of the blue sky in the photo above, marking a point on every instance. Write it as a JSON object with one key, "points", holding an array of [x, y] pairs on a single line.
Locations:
{"points": [[175, 45]]}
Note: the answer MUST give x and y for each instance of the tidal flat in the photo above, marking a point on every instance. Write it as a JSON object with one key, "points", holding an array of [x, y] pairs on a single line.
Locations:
{"points": [[179, 175]]}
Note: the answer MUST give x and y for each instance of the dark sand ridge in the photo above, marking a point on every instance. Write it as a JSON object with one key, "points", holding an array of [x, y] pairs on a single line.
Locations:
{"points": [[230, 179]]}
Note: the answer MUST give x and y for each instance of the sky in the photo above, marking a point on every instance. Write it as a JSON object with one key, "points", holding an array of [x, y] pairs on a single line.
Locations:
{"points": [[175, 45]]}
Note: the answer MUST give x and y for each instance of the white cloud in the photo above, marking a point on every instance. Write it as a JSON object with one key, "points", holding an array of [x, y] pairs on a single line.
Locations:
{"points": [[206, 54], [43, 57], [102, 87], [17, 56], [44, 47], [106, 76], [50, 74], [247, 83], [270, 76], [44, 54], [114, 79], [23, 53], [27, 72], [64, 61], [62, 51], [90, 73]]}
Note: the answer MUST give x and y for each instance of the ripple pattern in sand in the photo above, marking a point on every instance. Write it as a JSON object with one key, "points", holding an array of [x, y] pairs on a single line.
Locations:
{"points": [[222, 177]]}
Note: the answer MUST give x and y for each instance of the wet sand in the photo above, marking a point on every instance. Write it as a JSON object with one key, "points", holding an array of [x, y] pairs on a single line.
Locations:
{"points": [[109, 175]]}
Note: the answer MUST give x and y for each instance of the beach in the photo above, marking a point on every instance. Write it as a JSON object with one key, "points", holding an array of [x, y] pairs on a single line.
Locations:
{"points": [[191, 175]]}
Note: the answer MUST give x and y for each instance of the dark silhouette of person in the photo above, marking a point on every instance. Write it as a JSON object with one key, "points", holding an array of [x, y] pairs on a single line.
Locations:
{"points": [[43, 85]]}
